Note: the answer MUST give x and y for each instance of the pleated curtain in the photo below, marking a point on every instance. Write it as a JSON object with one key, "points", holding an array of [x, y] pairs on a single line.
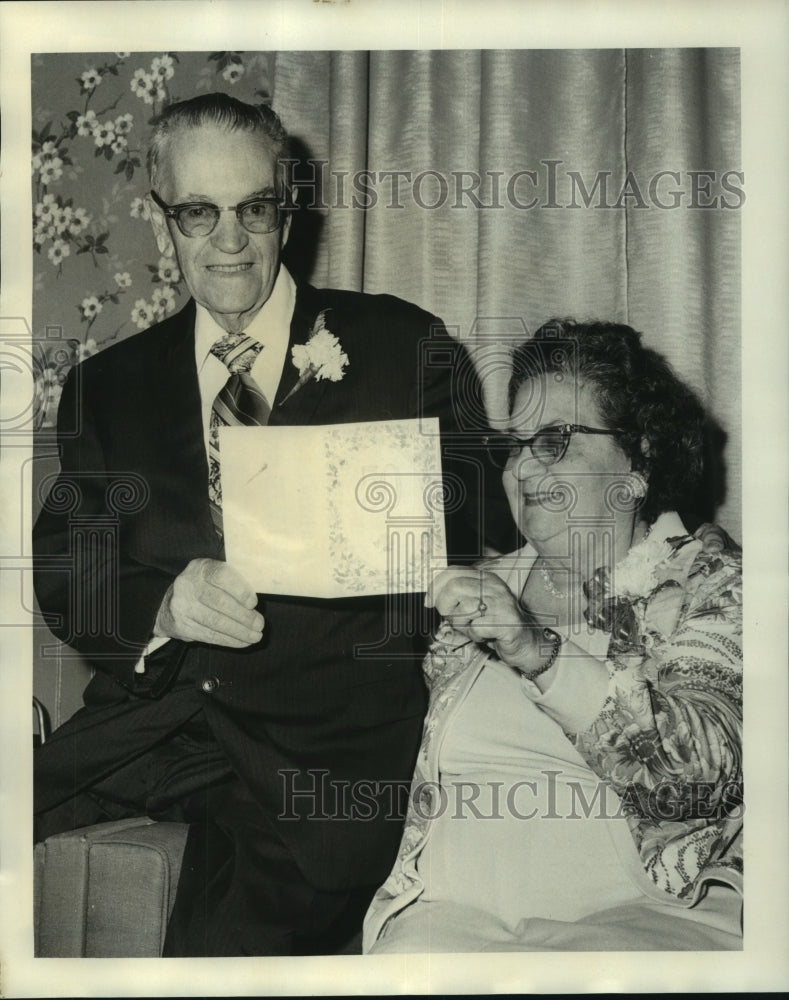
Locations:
{"points": [[494, 273]]}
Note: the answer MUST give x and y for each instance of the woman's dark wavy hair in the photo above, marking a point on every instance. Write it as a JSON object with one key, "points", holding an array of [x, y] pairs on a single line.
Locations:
{"points": [[638, 395]]}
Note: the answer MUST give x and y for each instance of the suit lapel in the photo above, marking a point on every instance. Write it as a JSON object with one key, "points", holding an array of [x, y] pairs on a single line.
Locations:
{"points": [[177, 391], [300, 408]]}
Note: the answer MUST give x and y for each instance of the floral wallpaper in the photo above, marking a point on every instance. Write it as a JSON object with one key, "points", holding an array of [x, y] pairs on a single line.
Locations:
{"points": [[98, 277]]}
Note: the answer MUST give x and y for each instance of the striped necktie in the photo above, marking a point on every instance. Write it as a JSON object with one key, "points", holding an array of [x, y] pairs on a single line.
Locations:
{"points": [[240, 402]]}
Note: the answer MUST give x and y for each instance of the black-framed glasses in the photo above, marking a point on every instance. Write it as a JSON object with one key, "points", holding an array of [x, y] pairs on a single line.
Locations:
{"points": [[548, 445], [200, 218]]}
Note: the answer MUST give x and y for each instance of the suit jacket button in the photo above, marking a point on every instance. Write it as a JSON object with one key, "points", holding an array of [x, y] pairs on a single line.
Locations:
{"points": [[209, 684]]}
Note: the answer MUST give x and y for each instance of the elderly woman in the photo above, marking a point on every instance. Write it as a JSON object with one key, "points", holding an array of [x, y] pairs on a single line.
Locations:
{"points": [[579, 781]]}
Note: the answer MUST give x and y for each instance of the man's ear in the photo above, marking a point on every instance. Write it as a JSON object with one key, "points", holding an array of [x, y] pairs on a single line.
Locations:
{"points": [[161, 230], [286, 229], [290, 200]]}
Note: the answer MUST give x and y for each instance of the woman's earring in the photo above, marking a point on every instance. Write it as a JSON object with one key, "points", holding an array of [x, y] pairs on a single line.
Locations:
{"points": [[638, 484]]}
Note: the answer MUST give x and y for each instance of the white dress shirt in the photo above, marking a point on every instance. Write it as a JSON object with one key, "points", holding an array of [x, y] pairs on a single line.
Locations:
{"points": [[271, 327]]}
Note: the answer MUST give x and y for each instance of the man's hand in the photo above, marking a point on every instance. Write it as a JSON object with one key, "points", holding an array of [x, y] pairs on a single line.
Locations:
{"points": [[210, 602]]}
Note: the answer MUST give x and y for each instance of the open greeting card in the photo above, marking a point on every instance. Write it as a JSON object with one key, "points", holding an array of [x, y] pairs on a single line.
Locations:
{"points": [[342, 510]]}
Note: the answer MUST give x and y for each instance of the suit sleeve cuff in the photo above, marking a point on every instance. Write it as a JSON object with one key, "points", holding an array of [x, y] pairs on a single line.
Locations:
{"points": [[161, 665], [577, 692], [154, 644]]}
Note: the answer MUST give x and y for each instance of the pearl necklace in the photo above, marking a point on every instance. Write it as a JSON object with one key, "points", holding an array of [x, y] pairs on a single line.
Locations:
{"points": [[550, 586]]}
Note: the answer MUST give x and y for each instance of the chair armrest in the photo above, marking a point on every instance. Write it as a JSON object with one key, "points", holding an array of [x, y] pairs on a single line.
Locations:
{"points": [[107, 890]]}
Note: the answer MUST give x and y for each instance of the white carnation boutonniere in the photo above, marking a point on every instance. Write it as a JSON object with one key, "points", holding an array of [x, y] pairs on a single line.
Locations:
{"points": [[637, 574], [322, 357], [617, 598]]}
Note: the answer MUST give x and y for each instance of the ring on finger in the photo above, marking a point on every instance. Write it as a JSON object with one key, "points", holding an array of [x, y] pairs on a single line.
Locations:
{"points": [[469, 618]]}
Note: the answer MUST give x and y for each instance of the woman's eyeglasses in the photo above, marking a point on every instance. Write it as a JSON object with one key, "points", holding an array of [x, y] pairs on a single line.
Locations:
{"points": [[548, 445], [200, 218]]}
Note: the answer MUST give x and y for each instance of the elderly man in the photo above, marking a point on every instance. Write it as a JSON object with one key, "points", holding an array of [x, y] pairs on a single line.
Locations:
{"points": [[208, 699]]}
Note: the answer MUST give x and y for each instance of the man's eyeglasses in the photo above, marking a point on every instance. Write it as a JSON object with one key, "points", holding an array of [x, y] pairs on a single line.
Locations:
{"points": [[548, 445], [200, 218]]}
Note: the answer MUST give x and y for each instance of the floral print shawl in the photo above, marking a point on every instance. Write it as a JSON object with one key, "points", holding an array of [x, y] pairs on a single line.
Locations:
{"points": [[668, 736]]}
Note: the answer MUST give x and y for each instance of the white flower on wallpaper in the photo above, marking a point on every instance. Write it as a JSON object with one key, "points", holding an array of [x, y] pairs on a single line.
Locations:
{"points": [[97, 275], [48, 388], [163, 67], [233, 73], [91, 307], [58, 251], [163, 302], [86, 123], [90, 79], [123, 124], [79, 220], [142, 314], [45, 209], [148, 87], [167, 270], [87, 349], [138, 209], [104, 134]]}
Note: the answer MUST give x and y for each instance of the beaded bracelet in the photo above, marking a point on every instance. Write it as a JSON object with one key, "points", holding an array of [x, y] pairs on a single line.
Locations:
{"points": [[548, 635]]}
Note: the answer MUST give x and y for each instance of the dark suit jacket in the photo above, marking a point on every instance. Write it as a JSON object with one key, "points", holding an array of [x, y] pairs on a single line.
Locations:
{"points": [[130, 510]]}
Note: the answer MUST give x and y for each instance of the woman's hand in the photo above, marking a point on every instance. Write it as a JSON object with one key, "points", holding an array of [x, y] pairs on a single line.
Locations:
{"points": [[478, 604]]}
